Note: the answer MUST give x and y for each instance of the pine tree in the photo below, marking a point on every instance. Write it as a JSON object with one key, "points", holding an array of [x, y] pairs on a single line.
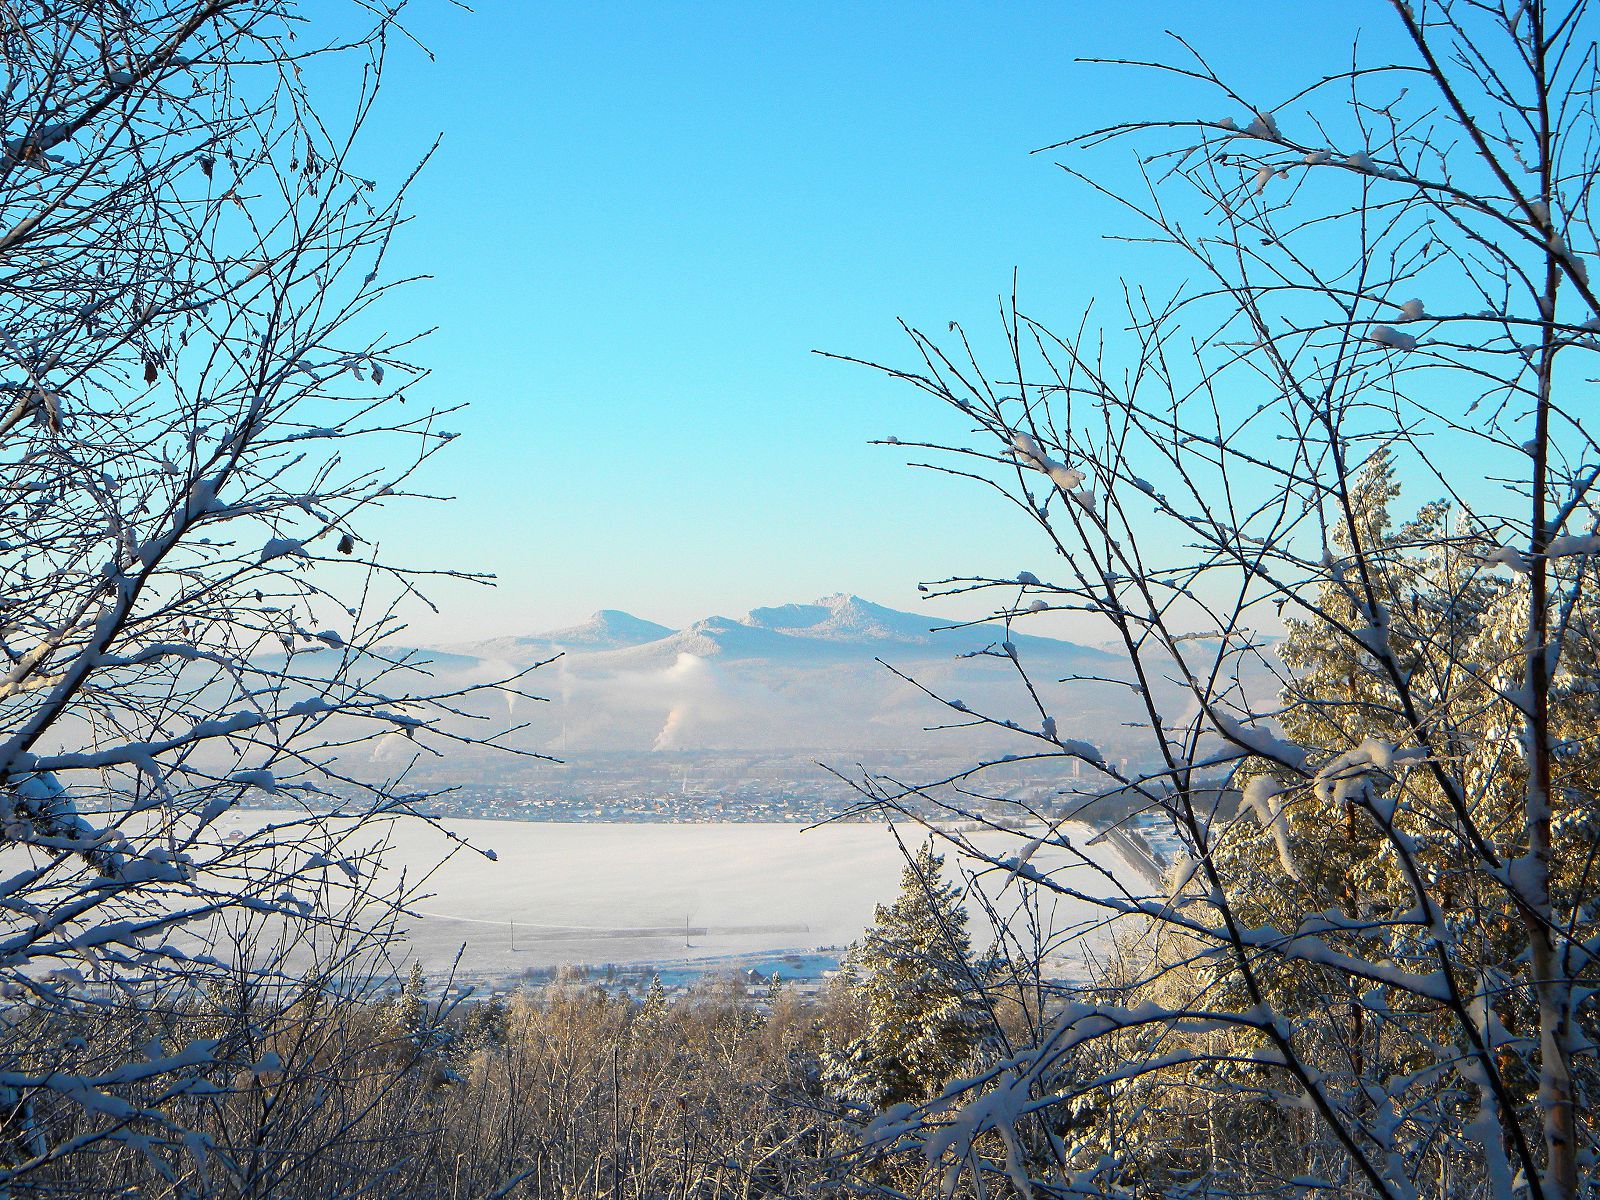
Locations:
{"points": [[1440, 610], [913, 978], [1324, 851], [653, 1009], [404, 1019], [1301, 847], [778, 992], [486, 1026]]}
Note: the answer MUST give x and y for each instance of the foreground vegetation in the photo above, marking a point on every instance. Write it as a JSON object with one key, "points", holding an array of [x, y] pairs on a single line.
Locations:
{"points": [[326, 1085], [566, 1091], [1372, 974]]}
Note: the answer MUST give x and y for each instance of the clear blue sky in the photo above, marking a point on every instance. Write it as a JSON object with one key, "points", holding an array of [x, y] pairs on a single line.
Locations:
{"points": [[644, 217]]}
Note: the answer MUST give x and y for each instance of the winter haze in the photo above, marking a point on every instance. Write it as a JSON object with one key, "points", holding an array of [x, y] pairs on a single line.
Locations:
{"points": [[832, 674]]}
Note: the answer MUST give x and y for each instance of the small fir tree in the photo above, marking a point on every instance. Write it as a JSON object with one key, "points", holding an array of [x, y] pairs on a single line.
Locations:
{"points": [[411, 1007], [653, 1009], [912, 977], [486, 1026]]}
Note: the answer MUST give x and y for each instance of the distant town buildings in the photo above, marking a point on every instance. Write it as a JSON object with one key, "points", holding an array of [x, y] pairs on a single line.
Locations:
{"points": [[706, 786]]}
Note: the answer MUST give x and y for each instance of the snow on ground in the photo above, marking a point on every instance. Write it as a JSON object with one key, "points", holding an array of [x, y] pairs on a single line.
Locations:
{"points": [[684, 898], [681, 896]]}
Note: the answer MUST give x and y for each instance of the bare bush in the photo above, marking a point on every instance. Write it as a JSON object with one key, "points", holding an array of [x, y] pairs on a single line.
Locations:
{"points": [[342, 1090], [197, 419]]}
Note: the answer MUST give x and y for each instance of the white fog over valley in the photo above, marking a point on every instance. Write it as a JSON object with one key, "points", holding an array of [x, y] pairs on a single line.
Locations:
{"points": [[840, 673]]}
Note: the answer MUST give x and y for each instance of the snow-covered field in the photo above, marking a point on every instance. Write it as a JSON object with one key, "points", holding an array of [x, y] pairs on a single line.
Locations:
{"points": [[672, 894]]}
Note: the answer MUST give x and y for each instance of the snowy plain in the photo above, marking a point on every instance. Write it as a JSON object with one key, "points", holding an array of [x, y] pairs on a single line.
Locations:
{"points": [[684, 897]]}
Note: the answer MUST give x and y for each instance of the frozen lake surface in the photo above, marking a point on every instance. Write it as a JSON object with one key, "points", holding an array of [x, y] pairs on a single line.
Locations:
{"points": [[681, 896]]}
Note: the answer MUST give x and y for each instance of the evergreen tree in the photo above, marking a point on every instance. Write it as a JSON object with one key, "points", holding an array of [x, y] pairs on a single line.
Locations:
{"points": [[913, 978], [411, 1006], [1313, 845], [777, 990], [653, 1009], [1457, 634], [405, 1022], [486, 1026]]}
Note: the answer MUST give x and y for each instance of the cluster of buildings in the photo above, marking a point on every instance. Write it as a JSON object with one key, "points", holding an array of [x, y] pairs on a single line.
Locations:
{"points": [[693, 786]]}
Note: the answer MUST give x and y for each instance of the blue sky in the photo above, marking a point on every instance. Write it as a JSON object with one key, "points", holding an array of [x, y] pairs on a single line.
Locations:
{"points": [[642, 220]]}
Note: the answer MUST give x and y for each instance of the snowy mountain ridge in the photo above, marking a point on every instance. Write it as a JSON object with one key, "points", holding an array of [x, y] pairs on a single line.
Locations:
{"points": [[830, 673], [608, 629], [831, 629]]}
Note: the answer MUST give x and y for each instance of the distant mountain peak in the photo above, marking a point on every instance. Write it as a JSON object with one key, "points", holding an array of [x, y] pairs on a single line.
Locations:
{"points": [[807, 674], [838, 628], [616, 620], [608, 629], [843, 617]]}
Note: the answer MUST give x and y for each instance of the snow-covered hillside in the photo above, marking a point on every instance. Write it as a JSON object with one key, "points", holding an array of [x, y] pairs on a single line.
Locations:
{"points": [[787, 677], [608, 629], [837, 627]]}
